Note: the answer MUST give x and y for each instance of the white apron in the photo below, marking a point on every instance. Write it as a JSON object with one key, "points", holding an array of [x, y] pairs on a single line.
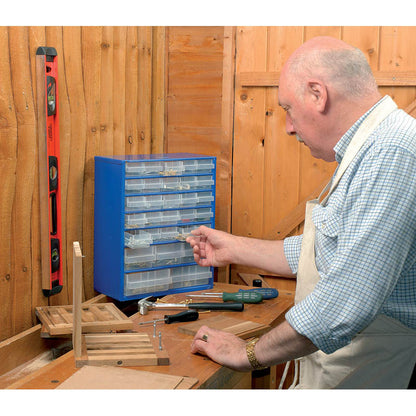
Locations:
{"points": [[383, 354]]}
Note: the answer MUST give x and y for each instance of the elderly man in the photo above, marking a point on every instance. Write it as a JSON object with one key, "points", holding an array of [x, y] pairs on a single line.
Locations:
{"points": [[354, 319]]}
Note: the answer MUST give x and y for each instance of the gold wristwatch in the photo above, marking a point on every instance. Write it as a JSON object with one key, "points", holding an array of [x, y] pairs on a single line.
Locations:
{"points": [[255, 365]]}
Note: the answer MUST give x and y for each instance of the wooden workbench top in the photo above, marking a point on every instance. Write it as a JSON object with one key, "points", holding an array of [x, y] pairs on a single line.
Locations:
{"points": [[182, 362]]}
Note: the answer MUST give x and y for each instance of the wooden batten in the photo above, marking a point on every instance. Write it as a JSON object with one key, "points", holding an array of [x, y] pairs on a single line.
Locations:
{"points": [[383, 79]]}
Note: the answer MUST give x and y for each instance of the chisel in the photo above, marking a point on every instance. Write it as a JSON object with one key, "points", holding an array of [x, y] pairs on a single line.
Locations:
{"points": [[245, 297], [185, 316]]}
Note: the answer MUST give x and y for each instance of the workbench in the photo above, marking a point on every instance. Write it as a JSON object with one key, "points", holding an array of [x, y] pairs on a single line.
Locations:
{"points": [[210, 375]]}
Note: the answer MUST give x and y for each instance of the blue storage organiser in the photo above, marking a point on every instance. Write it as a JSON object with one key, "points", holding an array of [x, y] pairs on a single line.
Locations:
{"points": [[144, 207]]}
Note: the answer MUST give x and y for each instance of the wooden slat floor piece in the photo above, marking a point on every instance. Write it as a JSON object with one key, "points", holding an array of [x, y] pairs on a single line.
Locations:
{"points": [[130, 349], [239, 327], [103, 317], [106, 377]]}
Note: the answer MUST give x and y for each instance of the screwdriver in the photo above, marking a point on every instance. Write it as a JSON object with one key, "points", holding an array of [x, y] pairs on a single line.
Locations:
{"points": [[266, 292], [184, 316], [245, 297]]}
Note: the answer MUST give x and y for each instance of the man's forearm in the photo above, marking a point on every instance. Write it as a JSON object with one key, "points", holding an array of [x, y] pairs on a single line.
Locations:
{"points": [[282, 344], [264, 254]]}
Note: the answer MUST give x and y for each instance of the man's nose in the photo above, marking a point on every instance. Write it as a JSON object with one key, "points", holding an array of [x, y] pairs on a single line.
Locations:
{"points": [[289, 126]]}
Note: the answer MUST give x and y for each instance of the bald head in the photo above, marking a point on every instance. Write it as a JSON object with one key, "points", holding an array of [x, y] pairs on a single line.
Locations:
{"points": [[343, 68]]}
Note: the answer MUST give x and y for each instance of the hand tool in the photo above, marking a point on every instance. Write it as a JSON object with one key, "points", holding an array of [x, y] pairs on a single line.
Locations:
{"points": [[266, 292], [145, 305], [185, 316], [49, 177], [245, 297]]}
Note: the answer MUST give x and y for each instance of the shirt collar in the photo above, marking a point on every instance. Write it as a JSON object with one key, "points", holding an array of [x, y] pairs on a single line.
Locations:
{"points": [[341, 147]]}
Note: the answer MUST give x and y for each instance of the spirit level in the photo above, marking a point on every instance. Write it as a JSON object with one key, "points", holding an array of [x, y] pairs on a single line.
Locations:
{"points": [[49, 178]]}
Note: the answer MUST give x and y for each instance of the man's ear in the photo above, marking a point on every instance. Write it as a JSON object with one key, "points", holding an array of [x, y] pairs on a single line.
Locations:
{"points": [[318, 94]]}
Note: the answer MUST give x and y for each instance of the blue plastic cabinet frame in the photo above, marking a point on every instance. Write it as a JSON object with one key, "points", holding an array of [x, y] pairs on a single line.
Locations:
{"points": [[144, 207]]}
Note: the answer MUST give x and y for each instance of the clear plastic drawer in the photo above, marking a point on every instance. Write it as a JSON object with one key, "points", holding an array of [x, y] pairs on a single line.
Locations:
{"points": [[143, 168], [142, 219], [185, 276], [198, 166], [135, 220], [139, 257], [144, 202], [147, 282], [170, 217], [169, 233], [204, 214], [143, 185], [173, 168], [204, 198], [172, 201], [196, 182], [136, 239], [189, 199]]}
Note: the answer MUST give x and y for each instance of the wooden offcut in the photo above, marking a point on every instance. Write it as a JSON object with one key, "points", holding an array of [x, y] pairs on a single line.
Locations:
{"points": [[123, 378], [104, 317], [118, 349], [239, 327]]}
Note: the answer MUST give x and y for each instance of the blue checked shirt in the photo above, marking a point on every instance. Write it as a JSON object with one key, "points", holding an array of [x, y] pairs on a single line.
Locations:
{"points": [[365, 244]]}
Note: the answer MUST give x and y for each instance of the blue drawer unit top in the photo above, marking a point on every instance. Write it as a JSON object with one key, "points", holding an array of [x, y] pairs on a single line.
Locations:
{"points": [[144, 208]]}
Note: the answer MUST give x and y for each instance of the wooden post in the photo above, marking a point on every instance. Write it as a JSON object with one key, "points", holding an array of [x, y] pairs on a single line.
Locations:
{"points": [[77, 299]]}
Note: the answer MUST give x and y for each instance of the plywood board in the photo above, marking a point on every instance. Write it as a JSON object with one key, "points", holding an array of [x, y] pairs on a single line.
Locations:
{"points": [[108, 377], [102, 317], [239, 327]]}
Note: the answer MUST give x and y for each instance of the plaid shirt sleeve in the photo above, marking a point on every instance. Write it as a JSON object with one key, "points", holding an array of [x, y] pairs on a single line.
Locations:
{"points": [[365, 250]]}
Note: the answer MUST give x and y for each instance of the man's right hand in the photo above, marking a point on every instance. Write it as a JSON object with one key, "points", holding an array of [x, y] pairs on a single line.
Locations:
{"points": [[211, 247]]}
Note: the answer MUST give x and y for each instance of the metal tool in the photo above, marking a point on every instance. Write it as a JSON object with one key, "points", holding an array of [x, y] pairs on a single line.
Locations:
{"points": [[266, 292], [185, 316], [245, 297], [145, 305]]}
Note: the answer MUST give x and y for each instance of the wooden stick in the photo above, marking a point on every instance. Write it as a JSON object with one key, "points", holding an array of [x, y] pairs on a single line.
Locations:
{"points": [[77, 282]]}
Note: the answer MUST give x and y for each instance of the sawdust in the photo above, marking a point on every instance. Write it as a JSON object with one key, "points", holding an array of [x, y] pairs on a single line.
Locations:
{"points": [[26, 368]]}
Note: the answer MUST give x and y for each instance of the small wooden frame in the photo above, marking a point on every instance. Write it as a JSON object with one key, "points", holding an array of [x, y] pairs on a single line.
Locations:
{"points": [[102, 317], [243, 329], [123, 349]]}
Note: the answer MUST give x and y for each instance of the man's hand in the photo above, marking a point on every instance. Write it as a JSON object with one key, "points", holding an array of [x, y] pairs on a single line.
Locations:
{"points": [[222, 347], [211, 247]]}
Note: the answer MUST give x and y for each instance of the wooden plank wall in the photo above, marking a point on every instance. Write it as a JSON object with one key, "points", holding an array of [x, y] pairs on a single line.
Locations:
{"points": [[111, 98], [200, 97], [272, 173], [122, 90]]}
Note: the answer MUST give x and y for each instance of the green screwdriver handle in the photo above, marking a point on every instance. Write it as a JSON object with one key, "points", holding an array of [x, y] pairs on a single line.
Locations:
{"points": [[245, 297]]}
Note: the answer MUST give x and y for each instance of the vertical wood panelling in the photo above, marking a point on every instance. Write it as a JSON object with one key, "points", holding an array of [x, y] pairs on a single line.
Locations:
{"points": [[281, 152], [285, 171], [199, 103], [97, 86], [249, 135], [8, 165], [78, 126], [105, 78], [128, 90], [132, 73], [36, 37], [25, 179], [119, 90], [159, 62], [397, 54], [144, 105]]}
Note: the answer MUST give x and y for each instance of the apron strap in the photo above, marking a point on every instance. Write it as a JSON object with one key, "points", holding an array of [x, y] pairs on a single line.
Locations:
{"points": [[383, 109]]}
